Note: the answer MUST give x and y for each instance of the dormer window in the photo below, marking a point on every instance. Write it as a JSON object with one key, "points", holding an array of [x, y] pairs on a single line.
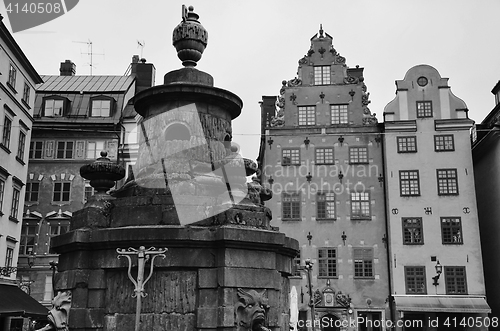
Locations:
{"points": [[101, 107], [53, 107], [321, 75]]}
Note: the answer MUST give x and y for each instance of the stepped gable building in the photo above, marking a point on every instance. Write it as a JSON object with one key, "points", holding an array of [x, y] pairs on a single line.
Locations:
{"points": [[18, 79], [435, 251], [321, 154], [485, 152], [76, 117]]}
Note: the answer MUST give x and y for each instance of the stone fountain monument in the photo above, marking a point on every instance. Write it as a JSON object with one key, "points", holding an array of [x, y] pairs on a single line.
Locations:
{"points": [[200, 253]]}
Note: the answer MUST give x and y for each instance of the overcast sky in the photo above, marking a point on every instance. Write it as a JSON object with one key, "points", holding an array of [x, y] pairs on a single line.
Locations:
{"points": [[254, 45]]}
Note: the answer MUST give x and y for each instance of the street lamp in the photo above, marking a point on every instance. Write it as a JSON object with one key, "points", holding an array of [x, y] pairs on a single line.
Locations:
{"points": [[439, 270], [31, 260], [308, 268], [53, 267]]}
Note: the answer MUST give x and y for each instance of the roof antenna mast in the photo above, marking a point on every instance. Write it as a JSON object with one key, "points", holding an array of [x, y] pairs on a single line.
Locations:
{"points": [[90, 53]]}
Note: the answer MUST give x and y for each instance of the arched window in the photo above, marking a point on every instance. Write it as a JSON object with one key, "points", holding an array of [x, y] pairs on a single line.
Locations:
{"points": [[177, 131]]}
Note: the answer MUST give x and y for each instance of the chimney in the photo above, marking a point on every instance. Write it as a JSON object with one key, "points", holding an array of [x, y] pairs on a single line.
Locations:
{"points": [[144, 73], [67, 68]]}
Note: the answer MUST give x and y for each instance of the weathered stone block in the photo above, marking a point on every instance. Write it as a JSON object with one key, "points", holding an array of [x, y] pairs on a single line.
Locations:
{"points": [[136, 215], [84, 318], [207, 298], [74, 260], [79, 297], [207, 278], [207, 317], [97, 279], [246, 277], [89, 217], [96, 298], [226, 296], [70, 279], [225, 316], [248, 258]]}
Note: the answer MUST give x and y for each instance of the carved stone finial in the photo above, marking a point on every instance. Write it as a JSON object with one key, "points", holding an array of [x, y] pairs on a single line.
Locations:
{"points": [[189, 38], [102, 173], [321, 31]]}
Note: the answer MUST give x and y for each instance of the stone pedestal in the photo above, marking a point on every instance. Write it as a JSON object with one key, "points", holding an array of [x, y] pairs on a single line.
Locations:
{"points": [[193, 288]]}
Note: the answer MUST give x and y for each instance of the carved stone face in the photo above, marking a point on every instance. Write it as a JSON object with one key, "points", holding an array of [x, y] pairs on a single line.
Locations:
{"points": [[251, 310], [58, 315]]}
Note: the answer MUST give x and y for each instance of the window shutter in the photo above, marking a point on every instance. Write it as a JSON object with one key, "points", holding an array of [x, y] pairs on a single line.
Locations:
{"points": [[80, 150], [49, 149]]}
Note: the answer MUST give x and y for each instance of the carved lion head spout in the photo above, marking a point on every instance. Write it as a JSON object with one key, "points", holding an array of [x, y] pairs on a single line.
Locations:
{"points": [[251, 310], [58, 315]]}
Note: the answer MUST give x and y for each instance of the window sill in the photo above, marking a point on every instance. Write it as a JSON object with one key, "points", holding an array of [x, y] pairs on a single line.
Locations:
{"points": [[461, 243], [359, 163], [5, 148], [290, 165], [12, 88], [60, 203], [329, 277], [25, 104], [364, 278], [291, 219], [326, 219], [407, 152], [358, 218], [409, 195], [448, 194], [444, 150], [20, 160], [13, 219], [413, 244]]}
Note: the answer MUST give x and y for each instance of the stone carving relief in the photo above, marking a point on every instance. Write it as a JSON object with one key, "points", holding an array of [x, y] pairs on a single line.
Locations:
{"points": [[279, 119], [368, 117], [251, 310], [58, 315]]}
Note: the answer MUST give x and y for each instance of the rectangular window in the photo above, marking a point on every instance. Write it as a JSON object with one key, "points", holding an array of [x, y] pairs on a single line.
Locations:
{"points": [[26, 93], [7, 127], [444, 143], [296, 267], [363, 262], [451, 230], [321, 75], [32, 189], [61, 191], [12, 76], [360, 205], [325, 203], [56, 229], [16, 193], [455, 279], [36, 148], [339, 114], [413, 231], [409, 183], [327, 262], [9, 258], [94, 149], [415, 280], [369, 321], [424, 109], [290, 156], [2, 190], [53, 108], [407, 144], [290, 206], [28, 235], [65, 150], [447, 181], [358, 155], [101, 108], [89, 191], [48, 293], [324, 156], [307, 115], [20, 147]]}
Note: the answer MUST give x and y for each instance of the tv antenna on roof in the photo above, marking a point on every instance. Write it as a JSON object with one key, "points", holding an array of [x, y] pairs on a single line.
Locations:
{"points": [[89, 52], [141, 44]]}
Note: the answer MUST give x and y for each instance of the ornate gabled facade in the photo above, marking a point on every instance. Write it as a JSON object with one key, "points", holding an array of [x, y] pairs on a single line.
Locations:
{"points": [[321, 155], [436, 262]]}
